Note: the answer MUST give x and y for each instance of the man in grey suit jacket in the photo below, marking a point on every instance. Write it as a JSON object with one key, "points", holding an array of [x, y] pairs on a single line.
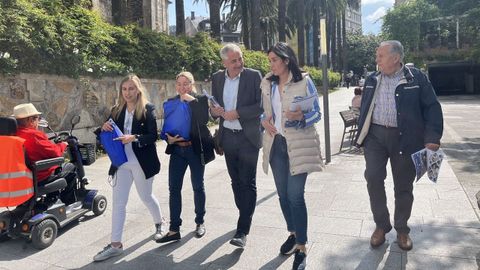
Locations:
{"points": [[237, 90]]}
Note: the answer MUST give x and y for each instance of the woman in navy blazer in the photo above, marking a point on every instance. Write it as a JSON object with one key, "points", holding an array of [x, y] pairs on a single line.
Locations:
{"points": [[136, 118], [193, 153]]}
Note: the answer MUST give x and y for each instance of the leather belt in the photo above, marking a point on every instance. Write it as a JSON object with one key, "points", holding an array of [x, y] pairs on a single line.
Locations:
{"points": [[234, 130], [383, 126], [184, 144]]}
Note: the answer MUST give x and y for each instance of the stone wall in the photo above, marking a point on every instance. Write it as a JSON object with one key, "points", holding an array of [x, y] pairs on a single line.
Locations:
{"points": [[60, 98]]}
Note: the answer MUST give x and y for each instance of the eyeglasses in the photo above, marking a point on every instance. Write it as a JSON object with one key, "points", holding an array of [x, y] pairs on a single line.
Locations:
{"points": [[36, 117]]}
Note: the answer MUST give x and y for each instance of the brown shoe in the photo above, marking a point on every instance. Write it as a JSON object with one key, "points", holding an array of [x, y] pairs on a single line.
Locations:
{"points": [[404, 241], [378, 237]]}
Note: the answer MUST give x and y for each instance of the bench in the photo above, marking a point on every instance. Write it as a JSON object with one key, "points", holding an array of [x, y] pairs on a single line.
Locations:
{"points": [[349, 118]]}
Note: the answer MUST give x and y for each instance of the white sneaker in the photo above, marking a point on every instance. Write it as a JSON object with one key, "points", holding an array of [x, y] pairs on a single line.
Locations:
{"points": [[160, 230], [108, 252]]}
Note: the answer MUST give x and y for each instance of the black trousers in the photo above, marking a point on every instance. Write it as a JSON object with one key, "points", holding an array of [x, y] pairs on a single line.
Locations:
{"points": [[382, 144], [241, 157]]}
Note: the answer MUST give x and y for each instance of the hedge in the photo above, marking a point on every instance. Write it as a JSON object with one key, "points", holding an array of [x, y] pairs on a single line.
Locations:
{"points": [[64, 37]]}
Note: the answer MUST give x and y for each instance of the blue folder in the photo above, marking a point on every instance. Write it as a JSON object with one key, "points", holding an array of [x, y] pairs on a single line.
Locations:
{"points": [[177, 119], [114, 149]]}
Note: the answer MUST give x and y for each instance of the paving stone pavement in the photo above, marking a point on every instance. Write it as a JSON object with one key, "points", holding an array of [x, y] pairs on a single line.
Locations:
{"points": [[445, 227]]}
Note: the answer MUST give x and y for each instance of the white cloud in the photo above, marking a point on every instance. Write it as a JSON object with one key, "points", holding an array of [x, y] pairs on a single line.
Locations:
{"points": [[370, 2], [377, 14]]}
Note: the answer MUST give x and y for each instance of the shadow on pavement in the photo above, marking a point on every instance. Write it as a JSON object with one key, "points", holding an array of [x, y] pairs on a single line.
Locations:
{"points": [[438, 246], [275, 262], [460, 152], [22, 248], [162, 257]]}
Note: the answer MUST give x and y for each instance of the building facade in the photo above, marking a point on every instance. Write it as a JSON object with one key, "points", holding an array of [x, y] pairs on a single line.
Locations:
{"points": [[151, 14], [195, 24], [353, 18]]}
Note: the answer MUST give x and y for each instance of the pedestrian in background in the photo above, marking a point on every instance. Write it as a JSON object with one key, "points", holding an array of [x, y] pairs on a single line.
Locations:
{"points": [[357, 99], [193, 153], [237, 90], [136, 118], [399, 115], [292, 151]]}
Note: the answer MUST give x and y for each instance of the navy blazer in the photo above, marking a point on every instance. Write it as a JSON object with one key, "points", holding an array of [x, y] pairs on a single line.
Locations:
{"points": [[145, 149], [249, 100]]}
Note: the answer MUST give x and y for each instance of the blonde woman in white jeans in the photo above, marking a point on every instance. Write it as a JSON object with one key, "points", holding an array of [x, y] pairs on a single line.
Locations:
{"points": [[137, 120]]}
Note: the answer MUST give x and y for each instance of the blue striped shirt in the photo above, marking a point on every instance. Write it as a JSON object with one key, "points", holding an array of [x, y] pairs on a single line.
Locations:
{"points": [[314, 115]]}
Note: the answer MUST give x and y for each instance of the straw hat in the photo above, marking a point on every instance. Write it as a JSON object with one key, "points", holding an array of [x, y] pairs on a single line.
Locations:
{"points": [[25, 110]]}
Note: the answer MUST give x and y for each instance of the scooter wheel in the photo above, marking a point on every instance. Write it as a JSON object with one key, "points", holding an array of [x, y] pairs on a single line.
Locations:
{"points": [[44, 233], [99, 205]]}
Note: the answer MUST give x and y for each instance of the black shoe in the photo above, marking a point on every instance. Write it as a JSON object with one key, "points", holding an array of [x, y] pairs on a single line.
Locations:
{"points": [[300, 261], [289, 246], [200, 230], [239, 240], [168, 238]]}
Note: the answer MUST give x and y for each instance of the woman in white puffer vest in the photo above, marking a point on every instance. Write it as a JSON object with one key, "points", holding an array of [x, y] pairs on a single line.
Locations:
{"points": [[290, 144]]}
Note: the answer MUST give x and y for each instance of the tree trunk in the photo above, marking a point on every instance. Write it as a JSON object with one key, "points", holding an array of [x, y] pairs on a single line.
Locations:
{"points": [[339, 44], [214, 8], [316, 33], [282, 11], [255, 33], [333, 41], [301, 32], [245, 30], [180, 17], [344, 44]]}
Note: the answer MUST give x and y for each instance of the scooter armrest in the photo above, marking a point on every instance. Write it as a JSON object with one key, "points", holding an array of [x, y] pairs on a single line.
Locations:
{"points": [[47, 163]]}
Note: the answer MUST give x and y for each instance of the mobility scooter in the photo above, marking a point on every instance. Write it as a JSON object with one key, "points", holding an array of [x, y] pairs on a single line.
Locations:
{"points": [[39, 210]]}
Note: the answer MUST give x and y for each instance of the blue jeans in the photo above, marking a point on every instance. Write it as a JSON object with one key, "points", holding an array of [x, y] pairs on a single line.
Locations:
{"points": [[290, 189], [179, 160]]}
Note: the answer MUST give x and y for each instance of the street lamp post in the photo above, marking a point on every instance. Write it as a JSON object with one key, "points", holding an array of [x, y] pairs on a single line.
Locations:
{"points": [[326, 117]]}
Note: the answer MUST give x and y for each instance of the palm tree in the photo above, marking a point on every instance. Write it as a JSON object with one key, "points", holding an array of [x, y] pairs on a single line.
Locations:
{"points": [[256, 38], [267, 11], [245, 19], [282, 13], [180, 17], [214, 10], [301, 31]]}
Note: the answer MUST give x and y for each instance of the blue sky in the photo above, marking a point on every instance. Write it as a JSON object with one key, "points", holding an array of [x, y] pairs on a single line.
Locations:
{"points": [[372, 11]]}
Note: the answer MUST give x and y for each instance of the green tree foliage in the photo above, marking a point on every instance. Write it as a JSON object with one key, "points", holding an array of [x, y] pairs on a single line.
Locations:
{"points": [[361, 51], [431, 24], [468, 13], [63, 37], [404, 21], [316, 75]]}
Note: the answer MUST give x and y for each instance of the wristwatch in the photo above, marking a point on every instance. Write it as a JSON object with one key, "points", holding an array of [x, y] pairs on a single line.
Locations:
{"points": [[136, 137]]}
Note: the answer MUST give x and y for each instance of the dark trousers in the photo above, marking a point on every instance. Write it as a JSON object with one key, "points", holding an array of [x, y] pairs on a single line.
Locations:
{"points": [[179, 160], [241, 157], [382, 144]]}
